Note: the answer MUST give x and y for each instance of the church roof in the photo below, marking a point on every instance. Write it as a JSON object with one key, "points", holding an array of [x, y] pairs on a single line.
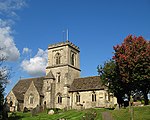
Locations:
{"points": [[87, 83], [22, 86], [50, 75]]}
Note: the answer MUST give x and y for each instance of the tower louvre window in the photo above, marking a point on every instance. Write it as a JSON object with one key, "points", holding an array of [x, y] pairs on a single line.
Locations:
{"points": [[58, 58], [73, 59]]}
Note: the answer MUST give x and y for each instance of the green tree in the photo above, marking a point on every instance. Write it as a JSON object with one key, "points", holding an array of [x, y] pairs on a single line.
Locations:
{"points": [[109, 75], [132, 59]]}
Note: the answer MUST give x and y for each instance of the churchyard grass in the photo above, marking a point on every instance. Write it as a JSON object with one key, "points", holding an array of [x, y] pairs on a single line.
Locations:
{"points": [[140, 113]]}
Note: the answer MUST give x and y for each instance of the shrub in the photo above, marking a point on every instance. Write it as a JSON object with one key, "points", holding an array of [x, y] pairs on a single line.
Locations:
{"points": [[12, 114]]}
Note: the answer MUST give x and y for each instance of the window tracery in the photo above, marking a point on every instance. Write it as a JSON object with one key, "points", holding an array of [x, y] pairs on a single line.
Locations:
{"points": [[93, 97], [58, 58], [59, 98], [31, 99], [77, 97], [73, 59]]}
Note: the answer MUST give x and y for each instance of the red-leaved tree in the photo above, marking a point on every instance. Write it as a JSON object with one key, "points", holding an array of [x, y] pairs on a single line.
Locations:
{"points": [[132, 58]]}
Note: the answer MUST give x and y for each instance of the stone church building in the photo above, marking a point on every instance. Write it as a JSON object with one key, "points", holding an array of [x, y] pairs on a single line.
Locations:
{"points": [[62, 86]]}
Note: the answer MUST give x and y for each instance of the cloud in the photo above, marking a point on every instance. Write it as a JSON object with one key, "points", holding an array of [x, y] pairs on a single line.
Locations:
{"points": [[8, 7], [26, 51], [36, 66], [4, 23], [7, 45]]}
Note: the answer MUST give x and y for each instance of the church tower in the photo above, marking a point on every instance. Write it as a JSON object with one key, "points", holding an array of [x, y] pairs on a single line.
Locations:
{"points": [[63, 67]]}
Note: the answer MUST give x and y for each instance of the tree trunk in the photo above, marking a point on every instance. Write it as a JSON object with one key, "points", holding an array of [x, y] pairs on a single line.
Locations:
{"points": [[145, 98], [119, 101]]}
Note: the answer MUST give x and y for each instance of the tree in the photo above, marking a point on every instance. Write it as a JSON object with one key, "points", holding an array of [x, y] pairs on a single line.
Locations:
{"points": [[4, 76], [109, 75], [132, 59]]}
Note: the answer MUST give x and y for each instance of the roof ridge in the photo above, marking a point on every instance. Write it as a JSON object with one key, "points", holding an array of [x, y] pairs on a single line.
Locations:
{"points": [[87, 77], [32, 78]]}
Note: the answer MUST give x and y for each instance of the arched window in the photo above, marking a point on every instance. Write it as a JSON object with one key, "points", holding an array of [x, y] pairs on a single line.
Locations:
{"points": [[58, 76], [59, 98], [72, 59], [31, 99], [93, 97], [11, 103], [77, 97], [57, 57], [44, 102]]}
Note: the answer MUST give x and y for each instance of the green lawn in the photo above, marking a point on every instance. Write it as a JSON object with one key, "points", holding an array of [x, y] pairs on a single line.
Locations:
{"points": [[140, 113]]}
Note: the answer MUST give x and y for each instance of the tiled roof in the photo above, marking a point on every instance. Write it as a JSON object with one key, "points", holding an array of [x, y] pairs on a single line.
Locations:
{"points": [[87, 83], [21, 87]]}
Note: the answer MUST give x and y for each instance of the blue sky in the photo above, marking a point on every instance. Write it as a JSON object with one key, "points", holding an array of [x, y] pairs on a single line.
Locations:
{"points": [[27, 27]]}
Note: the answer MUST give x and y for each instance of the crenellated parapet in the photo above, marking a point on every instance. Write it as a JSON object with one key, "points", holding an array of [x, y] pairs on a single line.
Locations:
{"points": [[51, 46]]}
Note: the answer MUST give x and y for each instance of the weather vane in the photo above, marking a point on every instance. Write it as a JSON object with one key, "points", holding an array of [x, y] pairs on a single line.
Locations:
{"points": [[66, 35]]}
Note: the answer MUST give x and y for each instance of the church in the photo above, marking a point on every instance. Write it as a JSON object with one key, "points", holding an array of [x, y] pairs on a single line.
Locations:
{"points": [[62, 86]]}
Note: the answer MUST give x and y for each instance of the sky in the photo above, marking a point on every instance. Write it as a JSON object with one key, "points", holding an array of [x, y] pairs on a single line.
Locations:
{"points": [[27, 27]]}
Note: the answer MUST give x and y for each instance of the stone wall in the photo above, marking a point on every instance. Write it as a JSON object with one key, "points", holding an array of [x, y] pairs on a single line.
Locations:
{"points": [[36, 97], [102, 99], [49, 93], [65, 72], [11, 98]]}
